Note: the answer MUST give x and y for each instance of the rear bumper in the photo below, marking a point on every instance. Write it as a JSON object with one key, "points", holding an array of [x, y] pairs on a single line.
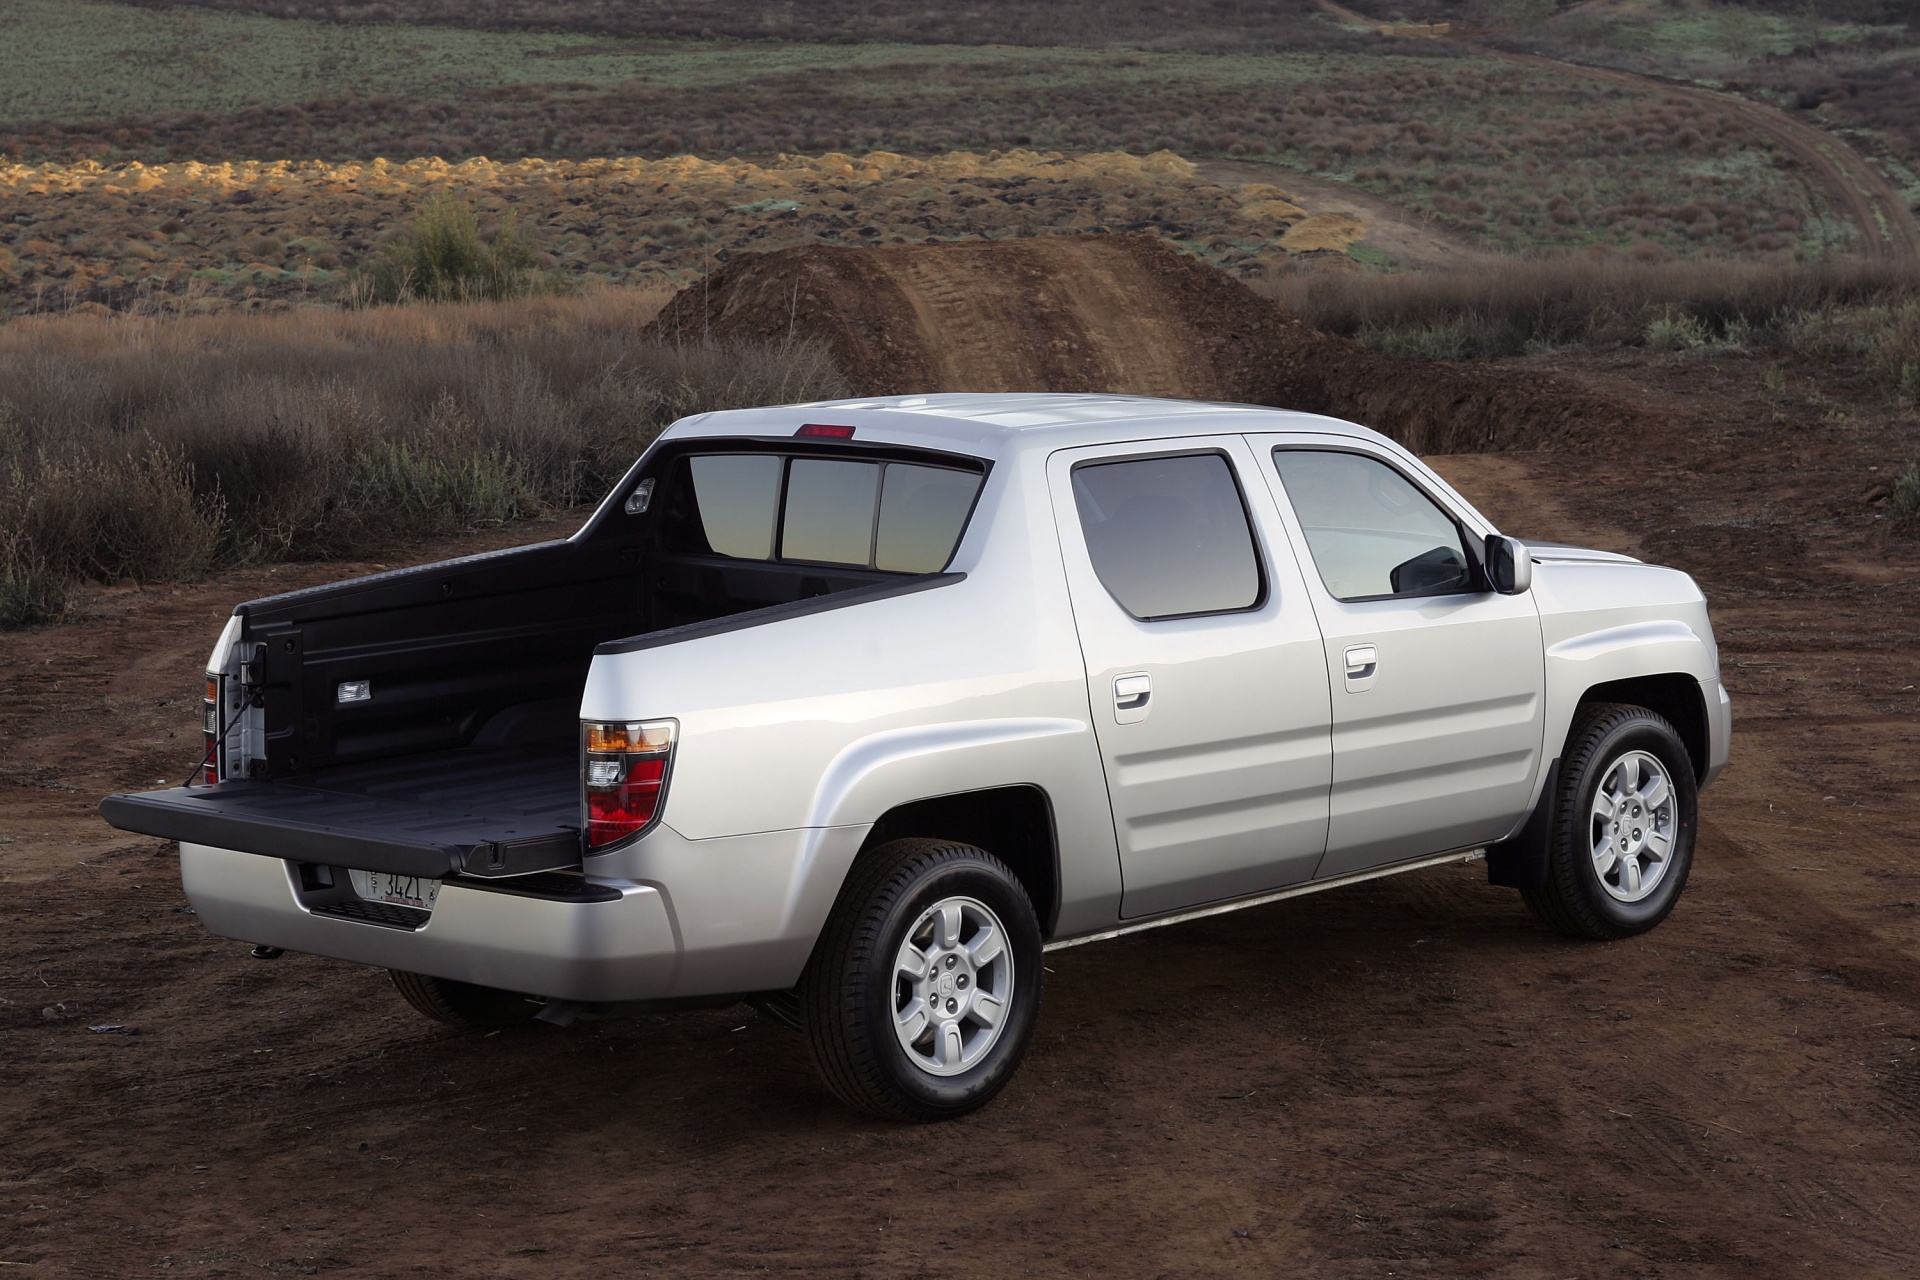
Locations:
{"points": [[680, 917], [620, 949]]}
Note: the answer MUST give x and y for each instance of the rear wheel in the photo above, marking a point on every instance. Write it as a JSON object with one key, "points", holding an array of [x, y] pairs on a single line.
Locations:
{"points": [[922, 993], [462, 1004], [1624, 822]]}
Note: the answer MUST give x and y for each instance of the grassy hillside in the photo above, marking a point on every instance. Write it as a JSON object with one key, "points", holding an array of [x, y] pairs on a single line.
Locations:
{"points": [[1521, 157], [1167, 24]]}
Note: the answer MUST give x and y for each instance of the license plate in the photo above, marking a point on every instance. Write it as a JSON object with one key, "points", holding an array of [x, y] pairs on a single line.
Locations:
{"points": [[405, 891]]}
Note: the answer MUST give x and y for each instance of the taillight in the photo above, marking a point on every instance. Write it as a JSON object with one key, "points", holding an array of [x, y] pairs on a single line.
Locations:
{"points": [[626, 778], [210, 730]]}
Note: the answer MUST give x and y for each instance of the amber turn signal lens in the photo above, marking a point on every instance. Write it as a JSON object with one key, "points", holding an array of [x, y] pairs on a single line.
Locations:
{"points": [[654, 735]]}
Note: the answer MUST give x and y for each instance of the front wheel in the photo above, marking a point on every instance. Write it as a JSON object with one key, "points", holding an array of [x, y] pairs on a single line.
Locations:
{"points": [[922, 993], [1625, 815]]}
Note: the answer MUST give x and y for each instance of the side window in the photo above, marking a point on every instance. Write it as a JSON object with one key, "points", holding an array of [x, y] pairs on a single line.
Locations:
{"points": [[1169, 536], [1371, 532]]}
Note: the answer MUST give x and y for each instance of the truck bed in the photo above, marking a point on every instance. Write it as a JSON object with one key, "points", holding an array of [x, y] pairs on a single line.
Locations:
{"points": [[474, 811]]}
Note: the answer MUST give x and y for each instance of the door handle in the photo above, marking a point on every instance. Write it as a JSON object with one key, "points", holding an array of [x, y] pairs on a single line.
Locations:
{"points": [[1130, 693], [1363, 660]]}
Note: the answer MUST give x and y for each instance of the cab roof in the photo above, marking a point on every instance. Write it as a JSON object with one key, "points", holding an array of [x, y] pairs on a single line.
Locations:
{"points": [[993, 425]]}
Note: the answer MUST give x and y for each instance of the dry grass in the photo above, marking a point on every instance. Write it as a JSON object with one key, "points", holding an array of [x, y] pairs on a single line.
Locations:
{"points": [[1178, 24], [154, 448], [203, 236], [1592, 301]]}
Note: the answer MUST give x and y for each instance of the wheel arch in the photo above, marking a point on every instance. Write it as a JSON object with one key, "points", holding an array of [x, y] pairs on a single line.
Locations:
{"points": [[1520, 861], [1675, 696], [1014, 823]]}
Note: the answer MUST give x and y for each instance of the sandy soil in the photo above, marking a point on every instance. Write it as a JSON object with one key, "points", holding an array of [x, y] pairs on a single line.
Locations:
{"points": [[1404, 1078]]}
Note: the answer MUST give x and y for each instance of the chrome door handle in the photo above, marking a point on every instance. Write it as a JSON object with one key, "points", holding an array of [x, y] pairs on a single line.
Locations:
{"points": [[1362, 661], [1130, 693]]}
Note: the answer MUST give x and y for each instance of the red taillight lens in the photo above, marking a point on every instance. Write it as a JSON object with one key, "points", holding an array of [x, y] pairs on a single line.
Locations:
{"points": [[824, 431], [626, 776]]}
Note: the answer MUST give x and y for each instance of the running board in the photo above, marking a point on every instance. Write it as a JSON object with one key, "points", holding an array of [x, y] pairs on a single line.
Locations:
{"points": [[1291, 891]]}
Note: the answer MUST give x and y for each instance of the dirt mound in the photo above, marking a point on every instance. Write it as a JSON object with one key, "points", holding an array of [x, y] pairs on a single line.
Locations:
{"points": [[1107, 313]]}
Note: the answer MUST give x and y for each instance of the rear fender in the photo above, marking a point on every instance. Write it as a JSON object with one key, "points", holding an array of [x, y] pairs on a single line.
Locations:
{"points": [[1058, 756]]}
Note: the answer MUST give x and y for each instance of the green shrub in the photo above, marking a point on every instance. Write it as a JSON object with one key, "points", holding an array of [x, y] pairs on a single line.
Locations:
{"points": [[442, 257], [1675, 331], [1451, 340], [1906, 493]]}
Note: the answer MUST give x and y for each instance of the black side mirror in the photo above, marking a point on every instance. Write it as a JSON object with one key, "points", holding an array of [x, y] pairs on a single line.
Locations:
{"points": [[1509, 567]]}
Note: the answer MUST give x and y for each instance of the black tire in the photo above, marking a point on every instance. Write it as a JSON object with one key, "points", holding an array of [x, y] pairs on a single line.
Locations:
{"points": [[847, 995], [1574, 900], [464, 1005]]}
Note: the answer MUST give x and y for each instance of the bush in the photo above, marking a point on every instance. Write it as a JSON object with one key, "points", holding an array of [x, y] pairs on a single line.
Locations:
{"points": [[1509, 307], [1893, 350], [441, 257], [1906, 493], [1450, 340], [157, 448], [32, 589], [1676, 331]]}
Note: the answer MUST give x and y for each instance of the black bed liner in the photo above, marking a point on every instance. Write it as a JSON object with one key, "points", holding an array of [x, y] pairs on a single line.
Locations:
{"points": [[484, 812]]}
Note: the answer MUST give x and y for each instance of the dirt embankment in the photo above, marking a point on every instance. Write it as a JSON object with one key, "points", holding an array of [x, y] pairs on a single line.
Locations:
{"points": [[1110, 313]]}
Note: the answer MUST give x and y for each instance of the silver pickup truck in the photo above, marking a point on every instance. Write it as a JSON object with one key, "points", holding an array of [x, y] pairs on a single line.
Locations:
{"points": [[854, 709]]}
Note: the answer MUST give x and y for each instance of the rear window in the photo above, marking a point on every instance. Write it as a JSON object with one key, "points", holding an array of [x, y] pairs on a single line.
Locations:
{"points": [[894, 516], [1168, 536]]}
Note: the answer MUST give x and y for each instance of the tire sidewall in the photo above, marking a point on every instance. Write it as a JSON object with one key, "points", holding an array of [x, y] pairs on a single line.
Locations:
{"points": [[1651, 735], [971, 877]]}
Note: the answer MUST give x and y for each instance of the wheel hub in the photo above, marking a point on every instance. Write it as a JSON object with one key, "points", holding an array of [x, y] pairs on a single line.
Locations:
{"points": [[953, 981], [950, 984], [1633, 826]]}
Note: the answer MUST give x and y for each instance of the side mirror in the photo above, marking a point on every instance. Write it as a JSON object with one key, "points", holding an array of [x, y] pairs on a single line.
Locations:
{"points": [[1509, 567]]}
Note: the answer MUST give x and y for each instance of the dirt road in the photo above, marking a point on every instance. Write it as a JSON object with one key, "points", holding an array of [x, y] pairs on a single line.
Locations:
{"points": [[1886, 225], [1412, 241], [1405, 1078]]}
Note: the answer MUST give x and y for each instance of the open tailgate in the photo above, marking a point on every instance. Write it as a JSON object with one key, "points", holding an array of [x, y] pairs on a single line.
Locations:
{"points": [[473, 812]]}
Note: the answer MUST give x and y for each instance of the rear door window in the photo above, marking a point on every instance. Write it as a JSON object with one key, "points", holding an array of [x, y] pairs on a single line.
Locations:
{"points": [[1371, 531], [1169, 537], [893, 516]]}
